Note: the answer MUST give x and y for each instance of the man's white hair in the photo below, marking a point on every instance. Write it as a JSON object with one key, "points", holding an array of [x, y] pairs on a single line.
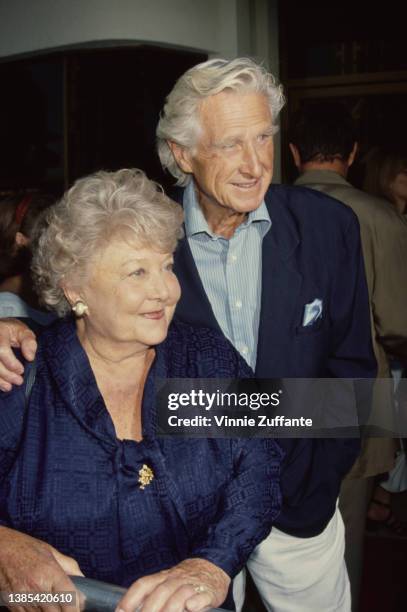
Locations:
{"points": [[179, 121]]}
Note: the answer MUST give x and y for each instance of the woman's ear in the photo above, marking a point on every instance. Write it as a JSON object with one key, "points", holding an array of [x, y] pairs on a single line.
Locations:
{"points": [[72, 295], [76, 301]]}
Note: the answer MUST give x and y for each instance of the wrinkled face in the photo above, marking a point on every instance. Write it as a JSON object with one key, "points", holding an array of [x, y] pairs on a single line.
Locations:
{"points": [[398, 189], [131, 295], [233, 161]]}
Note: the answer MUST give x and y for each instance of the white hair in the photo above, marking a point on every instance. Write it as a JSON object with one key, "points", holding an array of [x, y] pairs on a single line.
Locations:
{"points": [[179, 120], [95, 211]]}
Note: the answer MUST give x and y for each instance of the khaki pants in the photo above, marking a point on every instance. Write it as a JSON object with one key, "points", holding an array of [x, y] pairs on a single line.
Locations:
{"points": [[300, 574]]}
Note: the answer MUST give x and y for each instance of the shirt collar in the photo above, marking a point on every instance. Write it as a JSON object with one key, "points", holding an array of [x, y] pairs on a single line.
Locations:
{"points": [[318, 177], [195, 222]]}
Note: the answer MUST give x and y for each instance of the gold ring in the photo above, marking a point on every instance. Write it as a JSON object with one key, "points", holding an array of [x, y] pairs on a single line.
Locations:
{"points": [[199, 588]]}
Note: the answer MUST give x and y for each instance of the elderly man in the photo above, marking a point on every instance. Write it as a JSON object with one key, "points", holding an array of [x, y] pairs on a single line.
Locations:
{"points": [[253, 258], [323, 145], [279, 271]]}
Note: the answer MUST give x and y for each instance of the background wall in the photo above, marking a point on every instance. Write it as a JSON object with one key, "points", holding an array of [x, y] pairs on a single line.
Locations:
{"points": [[226, 28], [222, 27], [45, 24]]}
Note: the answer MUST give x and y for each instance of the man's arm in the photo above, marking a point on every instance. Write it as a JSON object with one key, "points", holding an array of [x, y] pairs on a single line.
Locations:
{"points": [[14, 334], [352, 353]]}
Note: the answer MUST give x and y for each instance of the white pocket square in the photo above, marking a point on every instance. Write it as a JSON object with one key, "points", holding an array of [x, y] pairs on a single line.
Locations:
{"points": [[312, 312]]}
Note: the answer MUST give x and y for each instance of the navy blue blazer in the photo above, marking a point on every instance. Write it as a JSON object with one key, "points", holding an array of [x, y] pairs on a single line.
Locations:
{"points": [[311, 251]]}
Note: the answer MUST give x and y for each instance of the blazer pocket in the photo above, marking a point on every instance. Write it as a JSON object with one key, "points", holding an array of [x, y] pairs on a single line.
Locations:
{"points": [[310, 330]]}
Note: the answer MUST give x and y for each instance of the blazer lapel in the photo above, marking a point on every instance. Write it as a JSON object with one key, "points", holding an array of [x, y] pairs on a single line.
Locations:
{"points": [[281, 284], [194, 307]]}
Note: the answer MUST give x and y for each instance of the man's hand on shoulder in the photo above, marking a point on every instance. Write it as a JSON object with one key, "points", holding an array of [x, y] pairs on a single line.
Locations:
{"points": [[14, 334]]}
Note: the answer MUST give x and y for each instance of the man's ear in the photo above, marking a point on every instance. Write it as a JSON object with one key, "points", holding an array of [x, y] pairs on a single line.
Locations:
{"points": [[182, 156], [353, 153], [296, 155]]}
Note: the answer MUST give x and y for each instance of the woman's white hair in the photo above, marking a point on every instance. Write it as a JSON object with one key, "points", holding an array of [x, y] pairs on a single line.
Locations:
{"points": [[179, 121], [97, 209]]}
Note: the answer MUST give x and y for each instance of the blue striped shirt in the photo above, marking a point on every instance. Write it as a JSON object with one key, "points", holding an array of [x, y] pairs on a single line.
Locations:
{"points": [[230, 271]]}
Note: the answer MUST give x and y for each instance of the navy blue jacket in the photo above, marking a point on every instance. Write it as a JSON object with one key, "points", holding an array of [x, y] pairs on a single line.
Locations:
{"points": [[311, 251]]}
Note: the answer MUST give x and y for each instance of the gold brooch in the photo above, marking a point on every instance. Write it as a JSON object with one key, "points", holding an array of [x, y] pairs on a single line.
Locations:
{"points": [[145, 476]]}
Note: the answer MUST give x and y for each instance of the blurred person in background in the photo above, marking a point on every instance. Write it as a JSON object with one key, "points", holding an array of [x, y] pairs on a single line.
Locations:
{"points": [[21, 215], [386, 176]]}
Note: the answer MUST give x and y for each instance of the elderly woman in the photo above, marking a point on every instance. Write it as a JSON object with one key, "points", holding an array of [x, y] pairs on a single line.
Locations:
{"points": [[85, 485]]}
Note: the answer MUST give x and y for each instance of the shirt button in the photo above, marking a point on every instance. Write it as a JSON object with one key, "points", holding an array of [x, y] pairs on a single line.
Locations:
{"points": [[244, 349], [233, 258], [238, 303]]}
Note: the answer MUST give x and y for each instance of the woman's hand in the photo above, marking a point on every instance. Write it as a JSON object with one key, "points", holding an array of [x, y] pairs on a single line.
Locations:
{"points": [[193, 585], [32, 566], [14, 333]]}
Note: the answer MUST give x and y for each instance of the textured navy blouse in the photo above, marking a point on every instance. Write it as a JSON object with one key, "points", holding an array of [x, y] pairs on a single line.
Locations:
{"points": [[65, 477]]}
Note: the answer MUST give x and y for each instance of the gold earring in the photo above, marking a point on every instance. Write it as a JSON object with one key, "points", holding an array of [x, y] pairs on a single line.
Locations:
{"points": [[79, 308]]}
